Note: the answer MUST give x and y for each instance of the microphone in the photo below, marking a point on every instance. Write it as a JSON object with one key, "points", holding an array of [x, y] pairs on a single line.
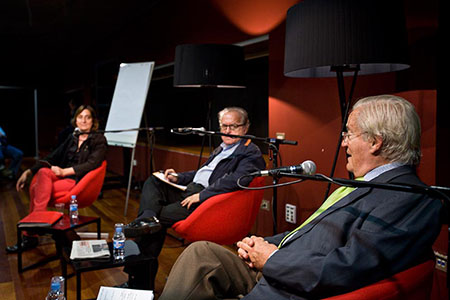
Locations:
{"points": [[187, 129], [76, 132], [307, 167]]}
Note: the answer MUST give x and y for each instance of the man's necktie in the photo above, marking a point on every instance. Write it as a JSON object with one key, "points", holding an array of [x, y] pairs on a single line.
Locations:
{"points": [[337, 195]]}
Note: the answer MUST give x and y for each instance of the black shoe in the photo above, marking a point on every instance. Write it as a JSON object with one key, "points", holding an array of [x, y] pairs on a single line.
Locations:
{"points": [[123, 285], [7, 173], [28, 242], [132, 285], [141, 227]]}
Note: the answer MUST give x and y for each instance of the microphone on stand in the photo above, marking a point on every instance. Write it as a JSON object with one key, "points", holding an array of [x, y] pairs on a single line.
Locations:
{"points": [[76, 132], [307, 167], [282, 141], [201, 131], [187, 129]]}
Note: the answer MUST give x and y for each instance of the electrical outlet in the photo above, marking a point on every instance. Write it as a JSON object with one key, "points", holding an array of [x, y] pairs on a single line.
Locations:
{"points": [[441, 261], [280, 135], [291, 213], [265, 205]]}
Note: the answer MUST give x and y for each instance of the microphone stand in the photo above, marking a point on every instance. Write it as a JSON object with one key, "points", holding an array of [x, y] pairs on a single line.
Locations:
{"points": [[436, 191], [150, 130], [274, 144], [429, 190]]}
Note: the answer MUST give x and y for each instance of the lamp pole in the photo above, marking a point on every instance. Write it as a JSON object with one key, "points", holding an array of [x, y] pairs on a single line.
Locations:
{"points": [[345, 107]]}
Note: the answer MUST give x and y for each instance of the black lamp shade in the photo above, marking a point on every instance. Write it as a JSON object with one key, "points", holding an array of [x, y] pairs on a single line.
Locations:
{"points": [[321, 34], [209, 65]]}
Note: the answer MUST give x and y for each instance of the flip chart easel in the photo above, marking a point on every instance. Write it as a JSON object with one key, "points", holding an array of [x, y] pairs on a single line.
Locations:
{"points": [[127, 107]]}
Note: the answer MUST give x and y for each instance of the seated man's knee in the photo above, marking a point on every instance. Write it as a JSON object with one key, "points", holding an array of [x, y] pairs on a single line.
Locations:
{"points": [[150, 183], [202, 248]]}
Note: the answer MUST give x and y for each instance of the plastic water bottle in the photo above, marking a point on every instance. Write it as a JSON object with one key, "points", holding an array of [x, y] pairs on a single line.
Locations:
{"points": [[55, 292], [73, 210], [119, 242], [61, 282]]}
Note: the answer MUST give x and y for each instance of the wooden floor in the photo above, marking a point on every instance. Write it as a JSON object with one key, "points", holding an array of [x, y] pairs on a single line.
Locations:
{"points": [[35, 283]]}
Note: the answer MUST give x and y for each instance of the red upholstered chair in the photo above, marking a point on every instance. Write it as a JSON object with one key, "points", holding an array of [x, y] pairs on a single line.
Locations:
{"points": [[224, 218], [87, 189], [413, 284]]}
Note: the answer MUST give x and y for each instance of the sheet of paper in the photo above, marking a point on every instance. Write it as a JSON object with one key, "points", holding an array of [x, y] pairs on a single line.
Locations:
{"points": [[160, 176], [112, 293], [89, 249]]}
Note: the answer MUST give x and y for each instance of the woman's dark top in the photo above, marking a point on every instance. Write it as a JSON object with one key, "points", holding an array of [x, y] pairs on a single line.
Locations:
{"points": [[89, 157]]}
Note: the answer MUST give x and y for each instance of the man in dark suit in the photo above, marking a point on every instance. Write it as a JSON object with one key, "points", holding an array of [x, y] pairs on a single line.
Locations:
{"points": [[357, 237], [162, 205]]}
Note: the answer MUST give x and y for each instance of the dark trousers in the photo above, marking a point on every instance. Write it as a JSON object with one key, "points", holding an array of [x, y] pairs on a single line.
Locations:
{"points": [[161, 200]]}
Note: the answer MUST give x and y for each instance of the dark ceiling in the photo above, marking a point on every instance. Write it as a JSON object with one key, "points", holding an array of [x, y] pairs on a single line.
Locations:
{"points": [[39, 34], [42, 37]]}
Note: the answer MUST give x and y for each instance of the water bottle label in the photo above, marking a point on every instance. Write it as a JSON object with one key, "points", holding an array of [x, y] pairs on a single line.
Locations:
{"points": [[73, 207], [119, 244]]}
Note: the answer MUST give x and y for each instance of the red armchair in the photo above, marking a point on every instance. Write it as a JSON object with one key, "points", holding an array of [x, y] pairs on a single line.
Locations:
{"points": [[224, 218], [413, 284], [87, 189]]}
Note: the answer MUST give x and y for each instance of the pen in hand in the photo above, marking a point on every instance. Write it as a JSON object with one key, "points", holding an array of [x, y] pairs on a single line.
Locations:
{"points": [[172, 174]]}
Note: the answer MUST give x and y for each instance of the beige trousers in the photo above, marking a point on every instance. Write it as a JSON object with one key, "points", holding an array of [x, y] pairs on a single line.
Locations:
{"points": [[206, 270]]}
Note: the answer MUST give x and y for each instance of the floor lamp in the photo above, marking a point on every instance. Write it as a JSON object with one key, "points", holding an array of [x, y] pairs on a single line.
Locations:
{"points": [[345, 37], [209, 66]]}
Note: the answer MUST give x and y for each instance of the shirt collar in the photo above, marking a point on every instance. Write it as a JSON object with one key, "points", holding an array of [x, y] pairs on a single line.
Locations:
{"points": [[381, 169], [228, 147]]}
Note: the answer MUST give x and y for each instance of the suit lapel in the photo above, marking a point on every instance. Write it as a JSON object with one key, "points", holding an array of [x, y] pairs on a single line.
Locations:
{"points": [[353, 196]]}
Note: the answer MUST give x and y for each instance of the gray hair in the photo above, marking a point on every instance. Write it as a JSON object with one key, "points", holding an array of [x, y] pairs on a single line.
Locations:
{"points": [[242, 113], [395, 120]]}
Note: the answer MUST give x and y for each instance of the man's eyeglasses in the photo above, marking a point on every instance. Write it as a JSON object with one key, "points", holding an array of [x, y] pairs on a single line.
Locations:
{"points": [[232, 127], [348, 136]]}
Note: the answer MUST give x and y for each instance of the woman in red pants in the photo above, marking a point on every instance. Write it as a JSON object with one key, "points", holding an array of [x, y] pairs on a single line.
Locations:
{"points": [[80, 153]]}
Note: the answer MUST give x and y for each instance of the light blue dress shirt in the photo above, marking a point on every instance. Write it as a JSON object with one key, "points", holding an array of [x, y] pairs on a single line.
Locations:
{"points": [[203, 174]]}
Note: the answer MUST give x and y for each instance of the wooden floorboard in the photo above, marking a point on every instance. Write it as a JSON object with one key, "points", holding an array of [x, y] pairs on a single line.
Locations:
{"points": [[35, 283]]}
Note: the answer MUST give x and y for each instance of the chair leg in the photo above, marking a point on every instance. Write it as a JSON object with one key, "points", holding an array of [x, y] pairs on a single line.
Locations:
{"points": [[180, 239]]}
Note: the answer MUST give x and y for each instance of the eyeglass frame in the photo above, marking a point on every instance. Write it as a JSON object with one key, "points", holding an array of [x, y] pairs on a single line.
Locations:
{"points": [[232, 127], [348, 136]]}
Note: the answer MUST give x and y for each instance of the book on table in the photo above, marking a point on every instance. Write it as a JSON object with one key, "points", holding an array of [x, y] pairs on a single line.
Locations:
{"points": [[40, 219], [89, 249]]}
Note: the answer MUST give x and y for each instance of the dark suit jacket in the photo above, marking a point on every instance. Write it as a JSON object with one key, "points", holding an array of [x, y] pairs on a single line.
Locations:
{"points": [[247, 158], [367, 236], [92, 154]]}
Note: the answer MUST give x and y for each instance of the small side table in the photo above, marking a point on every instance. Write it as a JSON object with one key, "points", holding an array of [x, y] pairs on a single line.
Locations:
{"points": [[133, 258], [57, 230]]}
